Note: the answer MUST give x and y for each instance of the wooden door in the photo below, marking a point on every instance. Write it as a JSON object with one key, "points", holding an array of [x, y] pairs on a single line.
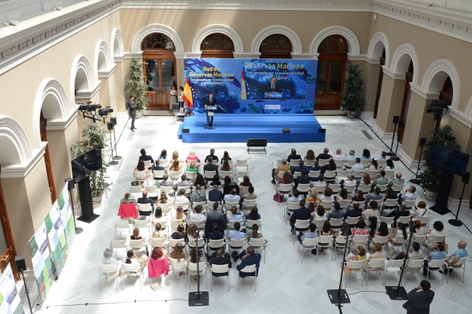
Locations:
{"points": [[159, 71], [330, 82], [379, 84], [7, 249], [47, 160]]}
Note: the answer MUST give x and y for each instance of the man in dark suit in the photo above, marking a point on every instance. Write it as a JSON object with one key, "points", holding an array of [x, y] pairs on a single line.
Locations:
{"points": [[212, 155], [304, 178], [273, 87], [302, 213], [316, 167], [210, 101], [215, 195], [293, 155], [324, 154], [210, 166], [220, 258], [248, 257], [419, 299], [157, 167], [298, 168], [132, 111], [145, 200]]}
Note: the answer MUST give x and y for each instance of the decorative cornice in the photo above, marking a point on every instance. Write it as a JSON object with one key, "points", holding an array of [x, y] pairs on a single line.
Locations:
{"points": [[60, 125], [452, 23], [22, 170], [24, 44], [460, 116], [106, 73], [420, 92], [272, 5], [393, 75], [88, 94]]}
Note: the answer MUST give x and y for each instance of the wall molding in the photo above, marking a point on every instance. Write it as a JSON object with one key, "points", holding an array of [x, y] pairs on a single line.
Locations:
{"points": [[22, 170]]}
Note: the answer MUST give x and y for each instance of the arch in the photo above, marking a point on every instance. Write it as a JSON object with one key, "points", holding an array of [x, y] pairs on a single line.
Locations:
{"points": [[117, 46], [436, 74], [377, 43], [217, 28], [401, 60], [103, 61], [157, 28], [468, 108], [353, 42], [82, 75], [15, 146], [51, 99], [277, 29]]}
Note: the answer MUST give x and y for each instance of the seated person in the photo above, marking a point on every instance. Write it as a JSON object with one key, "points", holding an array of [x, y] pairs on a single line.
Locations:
{"points": [[198, 195], [298, 168], [164, 199], [191, 157], [233, 197], [330, 166], [336, 212], [365, 154], [215, 195], [302, 213], [128, 208], [146, 200], [321, 181], [293, 155], [284, 167], [461, 252], [225, 166], [141, 168], [158, 232], [233, 214], [108, 258], [349, 181], [374, 196], [158, 217], [220, 258], [229, 185], [216, 233], [192, 167], [381, 180], [236, 234], [253, 214], [145, 157], [175, 166], [378, 254], [354, 211], [295, 196], [250, 195], [179, 213], [212, 155], [415, 253], [361, 228], [420, 210], [163, 155], [302, 179], [382, 231], [311, 234], [216, 181], [210, 166], [327, 195], [319, 213], [409, 194], [197, 214], [371, 211], [324, 155], [165, 181], [437, 253], [225, 156], [157, 166], [181, 198], [248, 257], [326, 230], [199, 179]]}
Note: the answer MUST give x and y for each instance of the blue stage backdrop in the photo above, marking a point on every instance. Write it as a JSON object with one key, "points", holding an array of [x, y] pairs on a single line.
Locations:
{"points": [[254, 86]]}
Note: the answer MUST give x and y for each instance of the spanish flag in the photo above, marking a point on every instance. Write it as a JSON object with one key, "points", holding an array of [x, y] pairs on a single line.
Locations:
{"points": [[243, 85], [188, 95]]}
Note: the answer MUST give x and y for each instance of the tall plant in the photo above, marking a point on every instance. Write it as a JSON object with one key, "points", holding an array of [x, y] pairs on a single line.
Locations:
{"points": [[135, 85], [94, 136], [352, 100], [431, 176]]}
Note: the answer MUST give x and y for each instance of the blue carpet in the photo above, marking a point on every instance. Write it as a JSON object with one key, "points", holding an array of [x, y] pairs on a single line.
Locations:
{"points": [[235, 128]]}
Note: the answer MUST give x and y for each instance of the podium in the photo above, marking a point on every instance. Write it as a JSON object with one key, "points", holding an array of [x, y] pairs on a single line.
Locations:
{"points": [[210, 113]]}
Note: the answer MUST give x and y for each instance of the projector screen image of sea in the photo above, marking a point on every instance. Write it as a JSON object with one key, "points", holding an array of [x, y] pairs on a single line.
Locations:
{"points": [[253, 86]]}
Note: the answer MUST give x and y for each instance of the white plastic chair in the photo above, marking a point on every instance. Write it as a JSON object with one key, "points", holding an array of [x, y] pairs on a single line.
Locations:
{"points": [[144, 209], [284, 189], [105, 270], [192, 270], [249, 269], [355, 267], [119, 248], [375, 265], [459, 265], [178, 266], [133, 269], [219, 269], [258, 244], [324, 242], [307, 245], [392, 266], [122, 226], [290, 207], [249, 204], [138, 246], [436, 265]]}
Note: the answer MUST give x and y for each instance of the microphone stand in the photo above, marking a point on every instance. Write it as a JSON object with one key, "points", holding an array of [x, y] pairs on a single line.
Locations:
{"points": [[401, 125], [339, 296], [456, 222], [116, 157], [393, 138], [78, 230], [398, 292], [416, 180], [198, 298]]}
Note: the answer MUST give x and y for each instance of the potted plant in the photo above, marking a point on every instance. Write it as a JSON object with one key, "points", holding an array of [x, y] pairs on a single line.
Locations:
{"points": [[352, 100], [430, 178], [136, 86], [94, 136]]}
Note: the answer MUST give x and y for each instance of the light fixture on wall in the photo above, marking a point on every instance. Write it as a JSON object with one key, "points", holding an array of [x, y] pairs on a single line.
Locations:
{"points": [[375, 17]]}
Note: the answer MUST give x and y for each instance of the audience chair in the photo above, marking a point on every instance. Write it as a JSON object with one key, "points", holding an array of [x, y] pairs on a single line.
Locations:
{"points": [[241, 174], [290, 207], [387, 220], [339, 243], [365, 162], [323, 161], [219, 270], [398, 188], [379, 239], [350, 163], [364, 188], [301, 225], [209, 175], [403, 219], [144, 209], [228, 173], [249, 269], [307, 245], [284, 189], [374, 174], [200, 224], [248, 204], [294, 162], [258, 244], [409, 204], [190, 175], [152, 190], [436, 265], [128, 270], [389, 173], [192, 270], [242, 163], [358, 174], [135, 190], [325, 242], [165, 208], [230, 224], [140, 176], [330, 176], [250, 223], [343, 203], [122, 226], [214, 245], [143, 226], [314, 174], [175, 175], [360, 239], [375, 265], [352, 221], [412, 266], [159, 174], [382, 187], [355, 267], [319, 188], [236, 245], [350, 189], [304, 188], [228, 205], [398, 241], [105, 270], [158, 242], [318, 223], [168, 189], [308, 162], [339, 163], [327, 205], [423, 219], [173, 242], [336, 223], [138, 246], [296, 174], [392, 266], [276, 163], [178, 266], [119, 248], [335, 187], [459, 265]]}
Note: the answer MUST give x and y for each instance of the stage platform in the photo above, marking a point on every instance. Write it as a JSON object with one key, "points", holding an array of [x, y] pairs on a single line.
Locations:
{"points": [[234, 128]]}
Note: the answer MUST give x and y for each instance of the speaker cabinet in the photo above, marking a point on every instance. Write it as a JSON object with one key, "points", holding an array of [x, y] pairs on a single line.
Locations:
{"points": [[321, 130], [396, 119], [186, 130], [286, 130], [20, 263]]}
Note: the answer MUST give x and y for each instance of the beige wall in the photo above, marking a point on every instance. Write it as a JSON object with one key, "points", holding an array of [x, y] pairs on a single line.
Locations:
{"points": [[390, 101]]}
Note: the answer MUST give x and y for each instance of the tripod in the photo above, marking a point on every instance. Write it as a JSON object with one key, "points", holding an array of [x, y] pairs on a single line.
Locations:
{"points": [[398, 292], [456, 222], [401, 124], [416, 180], [339, 296], [396, 119], [113, 162], [71, 184]]}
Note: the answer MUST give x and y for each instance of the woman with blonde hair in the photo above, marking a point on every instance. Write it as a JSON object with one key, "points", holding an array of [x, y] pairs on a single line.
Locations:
{"points": [[164, 199], [179, 213], [191, 157], [365, 179]]}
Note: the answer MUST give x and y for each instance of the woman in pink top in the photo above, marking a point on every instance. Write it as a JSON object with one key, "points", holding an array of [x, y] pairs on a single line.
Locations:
{"points": [[192, 157], [158, 264], [361, 229]]}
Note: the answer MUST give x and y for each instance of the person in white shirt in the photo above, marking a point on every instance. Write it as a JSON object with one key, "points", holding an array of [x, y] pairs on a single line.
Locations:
{"points": [[409, 194], [196, 214], [236, 234], [233, 197], [321, 181], [339, 155], [295, 197], [349, 181], [181, 198], [421, 210], [108, 258], [351, 155], [234, 216], [357, 166]]}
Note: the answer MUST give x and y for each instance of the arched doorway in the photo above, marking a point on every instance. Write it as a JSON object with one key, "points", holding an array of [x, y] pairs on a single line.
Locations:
{"points": [[379, 84], [405, 101], [276, 46], [331, 71], [217, 45], [159, 70]]}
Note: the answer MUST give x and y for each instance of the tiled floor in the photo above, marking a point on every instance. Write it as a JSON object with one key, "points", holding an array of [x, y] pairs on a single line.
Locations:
{"points": [[284, 285]]}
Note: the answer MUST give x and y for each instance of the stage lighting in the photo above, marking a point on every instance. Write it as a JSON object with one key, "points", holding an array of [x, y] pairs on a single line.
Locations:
{"points": [[436, 106], [105, 111]]}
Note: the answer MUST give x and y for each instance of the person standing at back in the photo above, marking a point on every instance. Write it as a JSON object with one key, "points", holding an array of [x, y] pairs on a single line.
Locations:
{"points": [[132, 111], [419, 299]]}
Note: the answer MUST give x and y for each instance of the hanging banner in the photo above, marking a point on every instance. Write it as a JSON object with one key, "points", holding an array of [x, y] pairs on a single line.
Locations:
{"points": [[254, 86], [41, 260], [10, 302], [67, 218], [57, 239]]}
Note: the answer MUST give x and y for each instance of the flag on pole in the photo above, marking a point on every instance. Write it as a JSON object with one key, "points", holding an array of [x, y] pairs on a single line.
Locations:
{"points": [[243, 85], [188, 95]]}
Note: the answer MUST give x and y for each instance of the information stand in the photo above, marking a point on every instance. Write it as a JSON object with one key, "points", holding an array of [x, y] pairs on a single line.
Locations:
{"points": [[210, 112]]}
